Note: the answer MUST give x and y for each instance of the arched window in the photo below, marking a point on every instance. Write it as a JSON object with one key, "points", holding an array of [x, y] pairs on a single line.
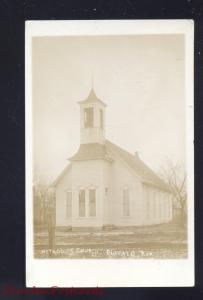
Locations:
{"points": [[126, 203]]}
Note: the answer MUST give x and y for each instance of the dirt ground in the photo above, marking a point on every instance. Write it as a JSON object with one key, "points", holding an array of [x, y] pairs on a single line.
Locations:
{"points": [[166, 241]]}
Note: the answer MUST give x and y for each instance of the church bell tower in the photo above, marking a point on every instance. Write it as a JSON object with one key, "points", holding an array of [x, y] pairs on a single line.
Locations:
{"points": [[92, 119]]}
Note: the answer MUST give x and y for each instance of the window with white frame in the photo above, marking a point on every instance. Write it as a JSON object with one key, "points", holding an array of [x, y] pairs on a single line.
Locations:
{"points": [[92, 202], [68, 204], [158, 206], [154, 204], [82, 203], [126, 203], [147, 203]]}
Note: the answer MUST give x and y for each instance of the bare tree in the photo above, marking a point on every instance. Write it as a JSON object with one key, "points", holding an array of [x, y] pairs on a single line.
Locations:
{"points": [[40, 202], [175, 176]]}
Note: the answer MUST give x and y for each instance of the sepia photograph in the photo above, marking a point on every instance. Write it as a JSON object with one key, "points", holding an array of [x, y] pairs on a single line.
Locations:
{"points": [[108, 153]]}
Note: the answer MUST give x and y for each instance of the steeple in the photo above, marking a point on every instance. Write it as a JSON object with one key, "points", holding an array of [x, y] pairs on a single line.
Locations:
{"points": [[92, 95], [92, 98], [92, 119]]}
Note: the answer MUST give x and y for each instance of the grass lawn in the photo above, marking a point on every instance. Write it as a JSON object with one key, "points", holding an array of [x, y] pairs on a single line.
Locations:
{"points": [[165, 241]]}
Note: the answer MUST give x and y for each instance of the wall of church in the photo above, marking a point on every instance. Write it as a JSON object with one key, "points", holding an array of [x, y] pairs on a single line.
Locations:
{"points": [[107, 193], [124, 179], [157, 206], [64, 185], [147, 205], [87, 175]]}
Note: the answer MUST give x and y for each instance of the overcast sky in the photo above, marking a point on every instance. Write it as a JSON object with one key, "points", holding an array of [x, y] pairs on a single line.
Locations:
{"points": [[140, 78]]}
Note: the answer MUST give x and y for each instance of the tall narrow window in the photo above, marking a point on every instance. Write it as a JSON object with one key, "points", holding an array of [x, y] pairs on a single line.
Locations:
{"points": [[68, 204], [162, 207], [88, 117], [101, 119], [82, 203], [158, 206], [126, 204], [92, 203], [147, 203], [154, 204], [167, 209]]}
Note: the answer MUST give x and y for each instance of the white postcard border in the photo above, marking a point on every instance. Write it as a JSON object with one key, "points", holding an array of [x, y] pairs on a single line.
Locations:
{"points": [[110, 272]]}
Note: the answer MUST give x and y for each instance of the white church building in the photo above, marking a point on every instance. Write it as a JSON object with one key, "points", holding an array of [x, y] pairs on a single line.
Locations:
{"points": [[104, 185]]}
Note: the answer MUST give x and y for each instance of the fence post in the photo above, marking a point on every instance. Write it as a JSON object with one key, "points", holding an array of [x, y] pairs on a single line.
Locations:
{"points": [[51, 232]]}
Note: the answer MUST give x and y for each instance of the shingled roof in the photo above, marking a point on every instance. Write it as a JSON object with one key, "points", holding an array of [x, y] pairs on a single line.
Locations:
{"points": [[107, 152]]}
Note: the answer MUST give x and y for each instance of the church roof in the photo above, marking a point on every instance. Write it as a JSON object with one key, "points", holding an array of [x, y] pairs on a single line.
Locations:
{"points": [[107, 151], [60, 176], [142, 170], [91, 151], [92, 98]]}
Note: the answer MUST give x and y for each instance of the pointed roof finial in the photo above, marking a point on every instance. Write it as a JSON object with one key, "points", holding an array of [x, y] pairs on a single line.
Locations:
{"points": [[92, 97]]}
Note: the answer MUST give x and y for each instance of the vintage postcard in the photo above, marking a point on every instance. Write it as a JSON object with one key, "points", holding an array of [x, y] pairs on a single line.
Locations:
{"points": [[109, 153]]}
